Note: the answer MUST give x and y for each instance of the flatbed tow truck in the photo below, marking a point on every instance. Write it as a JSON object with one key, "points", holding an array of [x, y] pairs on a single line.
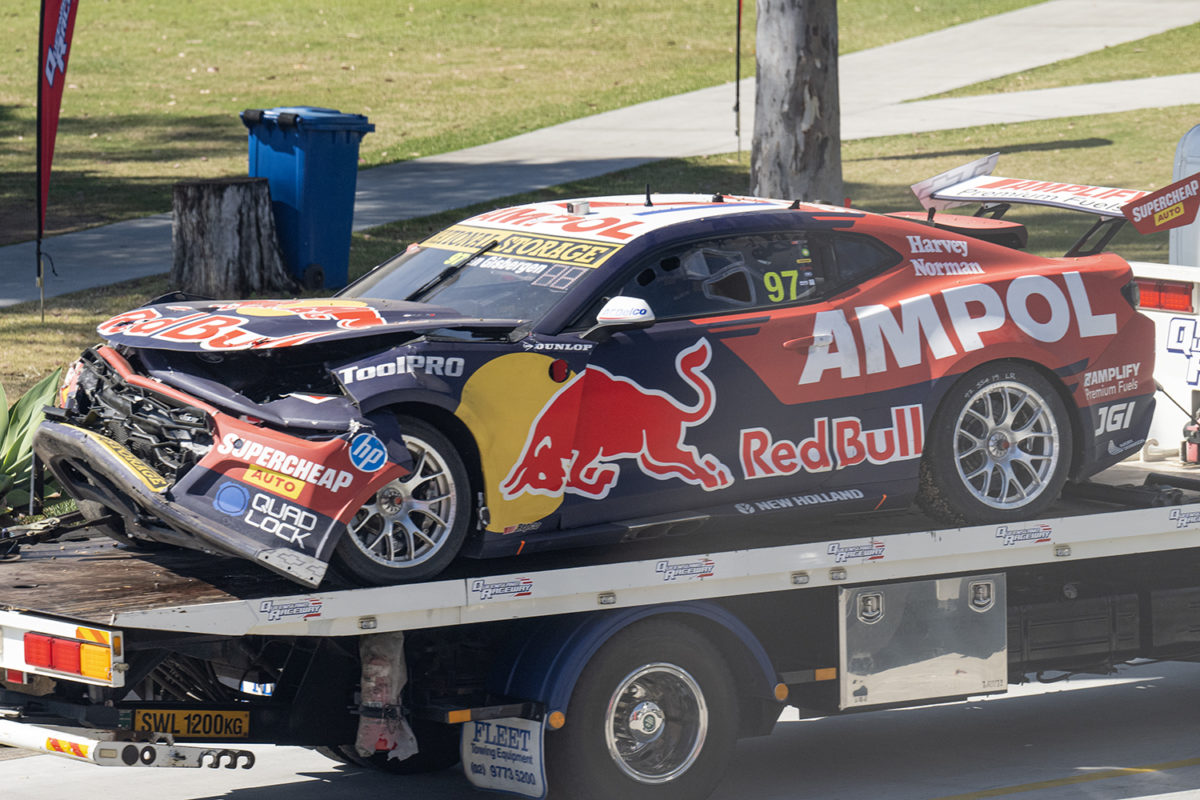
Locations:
{"points": [[658, 656], [629, 672]]}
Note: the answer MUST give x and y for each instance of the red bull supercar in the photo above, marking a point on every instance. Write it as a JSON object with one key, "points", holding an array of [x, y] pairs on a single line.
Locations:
{"points": [[594, 371]]}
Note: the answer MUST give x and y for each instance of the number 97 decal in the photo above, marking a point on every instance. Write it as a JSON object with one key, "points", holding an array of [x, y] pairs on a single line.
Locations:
{"points": [[787, 284]]}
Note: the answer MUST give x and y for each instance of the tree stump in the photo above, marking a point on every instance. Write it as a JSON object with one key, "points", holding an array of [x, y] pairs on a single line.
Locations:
{"points": [[223, 234]]}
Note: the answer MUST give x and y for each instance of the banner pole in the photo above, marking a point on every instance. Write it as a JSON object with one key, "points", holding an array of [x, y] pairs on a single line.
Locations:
{"points": [[737, 84], [39, 197]]}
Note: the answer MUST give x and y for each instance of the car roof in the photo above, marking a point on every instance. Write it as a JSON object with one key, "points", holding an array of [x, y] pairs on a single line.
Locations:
{"points": [[625, 218]]}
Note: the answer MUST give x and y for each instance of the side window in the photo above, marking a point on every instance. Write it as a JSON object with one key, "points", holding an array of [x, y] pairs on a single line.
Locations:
{"points": [[714, 276], [859, 257], [790, 268]]}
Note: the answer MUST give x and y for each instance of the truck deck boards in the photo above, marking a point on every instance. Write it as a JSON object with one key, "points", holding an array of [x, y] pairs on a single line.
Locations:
{"points": [[92, 579]]}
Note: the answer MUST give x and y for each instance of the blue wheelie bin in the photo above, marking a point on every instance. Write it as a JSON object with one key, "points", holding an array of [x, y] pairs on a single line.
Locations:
{"points": [[309, 157]]}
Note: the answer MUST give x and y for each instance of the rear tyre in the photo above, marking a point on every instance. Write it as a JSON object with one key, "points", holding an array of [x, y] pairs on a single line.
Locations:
{"points": [[412, 528], [999, 449], [653, 715]]}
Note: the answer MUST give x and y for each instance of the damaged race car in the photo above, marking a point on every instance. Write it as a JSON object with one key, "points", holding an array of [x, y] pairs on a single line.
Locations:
{"points": [[596, 371]]}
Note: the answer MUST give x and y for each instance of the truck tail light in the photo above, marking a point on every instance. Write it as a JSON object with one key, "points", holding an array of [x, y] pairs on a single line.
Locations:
{"points": [[1166, 295], [65, 655], [38, 650], [69, 655]]}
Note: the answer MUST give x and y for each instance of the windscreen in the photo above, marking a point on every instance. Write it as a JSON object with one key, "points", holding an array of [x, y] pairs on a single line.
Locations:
{"points": [[484, 273]]}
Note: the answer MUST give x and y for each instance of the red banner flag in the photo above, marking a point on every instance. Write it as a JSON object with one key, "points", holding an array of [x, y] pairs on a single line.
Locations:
{"points": [[58, 22]]}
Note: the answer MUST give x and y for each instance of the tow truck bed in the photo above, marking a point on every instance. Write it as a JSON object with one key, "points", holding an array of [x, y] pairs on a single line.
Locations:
{"points": [[93, 580]]}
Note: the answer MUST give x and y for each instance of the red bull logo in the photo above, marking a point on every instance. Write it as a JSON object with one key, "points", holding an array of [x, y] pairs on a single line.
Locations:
{"points": [[347, 313], [229, 332], [598, 418]]}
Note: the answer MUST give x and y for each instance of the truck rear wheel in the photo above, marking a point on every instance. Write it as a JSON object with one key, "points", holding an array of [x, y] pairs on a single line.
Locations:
{"points": [[653, 715]]}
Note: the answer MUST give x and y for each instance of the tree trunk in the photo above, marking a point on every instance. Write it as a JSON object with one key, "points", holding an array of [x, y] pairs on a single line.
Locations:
{"points": [[796, 154], [223, 233]]}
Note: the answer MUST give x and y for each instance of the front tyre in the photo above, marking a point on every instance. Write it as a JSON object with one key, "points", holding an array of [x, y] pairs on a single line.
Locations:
{"points": [[999, 448], [653, 715], [412, 528]]}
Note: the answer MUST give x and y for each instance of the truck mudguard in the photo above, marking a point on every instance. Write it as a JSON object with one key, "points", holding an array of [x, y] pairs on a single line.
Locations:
{"points": [[549, 660]]}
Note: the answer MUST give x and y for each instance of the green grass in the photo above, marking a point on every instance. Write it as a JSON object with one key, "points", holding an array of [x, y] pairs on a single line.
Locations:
{"points": [[143, 116], [870, 23], [1130, 150], [154, 88], [1174, 52]]}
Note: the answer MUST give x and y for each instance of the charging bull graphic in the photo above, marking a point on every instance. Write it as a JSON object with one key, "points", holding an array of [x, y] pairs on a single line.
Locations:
{"points": [[347, 313], [598, 418], [245, 324]]}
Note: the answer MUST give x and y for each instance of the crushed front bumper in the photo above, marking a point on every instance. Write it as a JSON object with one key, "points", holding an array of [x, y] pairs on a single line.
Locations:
{"points": [[258, 494]]}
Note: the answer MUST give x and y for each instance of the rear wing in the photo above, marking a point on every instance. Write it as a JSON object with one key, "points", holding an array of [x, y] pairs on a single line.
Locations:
{"points": [[1150, 212]]}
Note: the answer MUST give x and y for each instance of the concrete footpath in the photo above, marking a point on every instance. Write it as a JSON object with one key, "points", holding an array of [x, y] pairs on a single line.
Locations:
{"points": [[874, 87]]}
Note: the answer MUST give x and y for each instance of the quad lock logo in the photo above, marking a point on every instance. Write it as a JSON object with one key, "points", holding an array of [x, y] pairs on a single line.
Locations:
{"points": [[267, 513], [686, 570], [488, 590]]}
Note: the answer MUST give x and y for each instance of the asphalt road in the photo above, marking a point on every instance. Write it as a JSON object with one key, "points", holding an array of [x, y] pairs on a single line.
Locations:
{"points": [[1131, 735]]}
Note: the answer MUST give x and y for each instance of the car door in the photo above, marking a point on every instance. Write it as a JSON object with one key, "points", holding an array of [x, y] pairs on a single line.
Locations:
{"points": [[674, 416]]}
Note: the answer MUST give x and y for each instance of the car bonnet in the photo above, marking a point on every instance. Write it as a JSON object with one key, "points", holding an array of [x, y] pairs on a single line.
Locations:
{"points": [[228, 325]]}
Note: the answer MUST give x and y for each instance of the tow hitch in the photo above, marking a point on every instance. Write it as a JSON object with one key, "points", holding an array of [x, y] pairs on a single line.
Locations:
{"points": [[119, 754]]}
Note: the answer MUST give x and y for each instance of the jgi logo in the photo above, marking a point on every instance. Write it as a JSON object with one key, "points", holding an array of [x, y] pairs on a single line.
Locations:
{"points": [[1115, 417]]}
